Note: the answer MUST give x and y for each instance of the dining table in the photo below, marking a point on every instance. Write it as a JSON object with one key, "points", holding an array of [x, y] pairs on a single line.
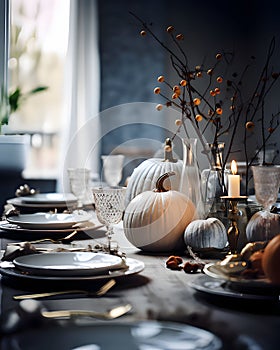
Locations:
{"points": [[155, 293]]}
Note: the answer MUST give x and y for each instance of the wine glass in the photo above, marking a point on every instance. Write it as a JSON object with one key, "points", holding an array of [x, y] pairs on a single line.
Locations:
{"points": [[112, 168], [109, 206], [266, 183]]}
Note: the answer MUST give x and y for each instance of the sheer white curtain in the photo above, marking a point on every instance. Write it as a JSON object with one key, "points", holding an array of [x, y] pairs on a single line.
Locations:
{"points": [[80, 132]]}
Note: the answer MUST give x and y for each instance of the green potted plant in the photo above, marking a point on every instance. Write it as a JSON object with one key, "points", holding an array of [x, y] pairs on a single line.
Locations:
{"points": [[13, 147]]}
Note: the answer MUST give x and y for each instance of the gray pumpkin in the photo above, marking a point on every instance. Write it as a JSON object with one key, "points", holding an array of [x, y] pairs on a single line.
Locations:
{"points": [[208, 233]]}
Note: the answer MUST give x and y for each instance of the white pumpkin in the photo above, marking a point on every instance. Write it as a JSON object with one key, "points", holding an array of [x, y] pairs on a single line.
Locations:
{"points": [[144, 177], [255, 229], [208, 233], [155, 221]]}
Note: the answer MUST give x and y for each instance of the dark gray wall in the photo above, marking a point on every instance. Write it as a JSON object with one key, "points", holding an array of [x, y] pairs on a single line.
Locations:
{"points": [[131, 64]]}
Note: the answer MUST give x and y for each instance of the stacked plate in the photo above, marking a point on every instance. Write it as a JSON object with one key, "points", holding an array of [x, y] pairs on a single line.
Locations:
{"points": [[68, 264], [50, 225], [44, 213], [44, 202], [71, 266], [42, 221]]}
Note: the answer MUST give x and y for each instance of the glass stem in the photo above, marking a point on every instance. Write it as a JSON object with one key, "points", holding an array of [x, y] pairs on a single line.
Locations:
{"points": [[109, 237]]}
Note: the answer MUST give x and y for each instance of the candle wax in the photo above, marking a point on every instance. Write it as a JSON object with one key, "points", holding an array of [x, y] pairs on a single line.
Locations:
{"points": [[233, 185]]}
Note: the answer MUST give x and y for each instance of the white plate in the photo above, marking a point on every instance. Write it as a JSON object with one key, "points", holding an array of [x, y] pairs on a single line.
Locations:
{"points": [[134, 266], [115, 336], [49, 198], [18, 203], [48, 220], [68, 264], [86, 227]]}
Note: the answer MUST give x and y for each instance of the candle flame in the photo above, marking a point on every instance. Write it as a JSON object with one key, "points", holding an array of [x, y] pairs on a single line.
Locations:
{"points": [[233, 167]]}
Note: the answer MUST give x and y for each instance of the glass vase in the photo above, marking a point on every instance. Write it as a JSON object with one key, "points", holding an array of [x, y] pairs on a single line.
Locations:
{"points": [[190, 183], [213, 183], [264, 224]]}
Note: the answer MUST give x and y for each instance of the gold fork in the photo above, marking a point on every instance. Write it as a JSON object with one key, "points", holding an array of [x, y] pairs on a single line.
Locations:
{"points": [[103, 290]]}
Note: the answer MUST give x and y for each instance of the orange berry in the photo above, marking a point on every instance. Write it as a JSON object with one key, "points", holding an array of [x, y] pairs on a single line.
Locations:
{"points": [[270, 130], [176, 88], [175, 95], [170, 29], [219, 56], [143, 33], [183, 82], [157, 90], [159, 107], [217, 91], [219, 111], [212, 93], [198, 118], [160, 79], [250, 125], [232, 108], [180, 37], [210, 71], [196, 101], [219, 80], [199, 74]]}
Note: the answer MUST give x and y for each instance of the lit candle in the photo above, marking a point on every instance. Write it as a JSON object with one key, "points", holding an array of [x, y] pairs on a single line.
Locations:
{"points": [[234, 181]]}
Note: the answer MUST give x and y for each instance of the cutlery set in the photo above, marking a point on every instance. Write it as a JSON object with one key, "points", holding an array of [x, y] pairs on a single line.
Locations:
{"points": [[31, 312]]}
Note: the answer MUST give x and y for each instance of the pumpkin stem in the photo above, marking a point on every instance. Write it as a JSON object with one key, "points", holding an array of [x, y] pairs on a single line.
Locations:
{"points": [[168, 154], [160, 181]]}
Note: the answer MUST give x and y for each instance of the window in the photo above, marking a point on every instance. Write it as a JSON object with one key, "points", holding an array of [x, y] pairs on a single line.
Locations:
{"points": [[38, 46]]}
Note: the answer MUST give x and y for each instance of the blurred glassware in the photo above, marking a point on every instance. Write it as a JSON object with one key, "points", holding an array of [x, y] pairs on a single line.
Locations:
{"points": [[112, 168], [266, 184], [266, 157], [79, 179]]}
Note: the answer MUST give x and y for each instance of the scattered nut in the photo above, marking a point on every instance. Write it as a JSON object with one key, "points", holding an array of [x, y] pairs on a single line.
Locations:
{"points": [[173, 265]]}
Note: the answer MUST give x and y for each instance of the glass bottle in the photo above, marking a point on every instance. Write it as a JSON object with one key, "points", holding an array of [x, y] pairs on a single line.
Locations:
{"points": [[190, 183], [213, 183]]}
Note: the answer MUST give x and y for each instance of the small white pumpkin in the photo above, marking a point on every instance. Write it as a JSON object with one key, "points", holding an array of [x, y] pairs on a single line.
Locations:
{"points": [[255, 229], [144, 177], [206, 233], [155, 221]]}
